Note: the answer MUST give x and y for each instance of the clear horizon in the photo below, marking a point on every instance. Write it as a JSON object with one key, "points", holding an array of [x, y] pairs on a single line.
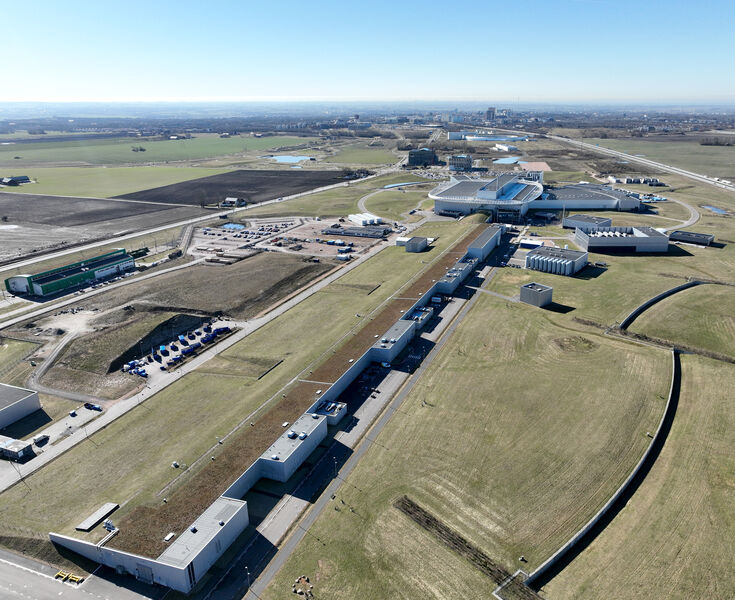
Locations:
{"points": [[569, 52]]}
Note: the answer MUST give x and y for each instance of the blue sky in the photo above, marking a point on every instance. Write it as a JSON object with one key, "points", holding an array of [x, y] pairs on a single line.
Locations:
{"points": [[524, 50]]}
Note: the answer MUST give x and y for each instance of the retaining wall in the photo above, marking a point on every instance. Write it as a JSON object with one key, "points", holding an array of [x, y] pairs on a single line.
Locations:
{"points": [[655, 444]]}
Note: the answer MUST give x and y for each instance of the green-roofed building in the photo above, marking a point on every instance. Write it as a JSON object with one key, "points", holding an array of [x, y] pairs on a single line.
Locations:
{"points": [[73, 275]]}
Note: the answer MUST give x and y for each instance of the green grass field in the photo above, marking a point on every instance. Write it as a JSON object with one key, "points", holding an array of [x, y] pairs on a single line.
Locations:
{"points": [[331, 203], [104, 182], [674, 537], [702, 317], [361, 154], [517, 446], [714, 161], [393, 205], [224, 391], [119, 150], [12, 352]]}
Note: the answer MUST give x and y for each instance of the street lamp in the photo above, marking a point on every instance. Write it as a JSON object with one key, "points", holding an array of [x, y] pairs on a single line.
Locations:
{"points": [[248, 574]]}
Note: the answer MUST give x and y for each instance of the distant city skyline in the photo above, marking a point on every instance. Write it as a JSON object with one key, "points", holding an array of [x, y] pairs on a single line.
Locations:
{"points": [[531, 51]]}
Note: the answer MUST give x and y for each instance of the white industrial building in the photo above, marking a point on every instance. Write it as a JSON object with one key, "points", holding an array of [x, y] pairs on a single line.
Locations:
{"points": [[290, 450], [505, 197], [486, 242], [559, 261], [509, 196], [192, 552], [506, 148], [16, 403], [585, 222], [622, 239], [363, 219]]}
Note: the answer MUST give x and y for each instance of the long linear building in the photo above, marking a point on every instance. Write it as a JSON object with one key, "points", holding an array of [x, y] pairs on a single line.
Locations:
{"points": [[71, 275], [191, 553]]}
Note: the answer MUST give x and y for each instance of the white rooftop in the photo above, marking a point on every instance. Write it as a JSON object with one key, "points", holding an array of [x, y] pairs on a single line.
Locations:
{"points": [[10, 394], [284, 446], [188, 544]]}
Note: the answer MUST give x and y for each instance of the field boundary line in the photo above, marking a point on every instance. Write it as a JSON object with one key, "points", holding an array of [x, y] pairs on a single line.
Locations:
{"points": [[657, 442]]}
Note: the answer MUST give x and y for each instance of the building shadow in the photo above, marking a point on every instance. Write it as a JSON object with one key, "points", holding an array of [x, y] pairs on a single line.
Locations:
{"points": [[555, 307], [719, 245], [589, 272], [27, 424]]}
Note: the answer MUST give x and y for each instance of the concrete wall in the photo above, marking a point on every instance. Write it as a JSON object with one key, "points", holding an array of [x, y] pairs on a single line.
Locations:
{"points": [[124, 562], [242, 484], [648, 455], [635, 239], [20, 409], [281, 470], [221, 542]]}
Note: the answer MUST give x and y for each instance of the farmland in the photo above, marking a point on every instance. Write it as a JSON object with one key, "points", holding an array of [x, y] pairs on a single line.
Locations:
{"points": [[36, 223], [252, 185], [674, 538], [516, 382], [225, 389], [118, 151], [106, 182], [701, 317]]}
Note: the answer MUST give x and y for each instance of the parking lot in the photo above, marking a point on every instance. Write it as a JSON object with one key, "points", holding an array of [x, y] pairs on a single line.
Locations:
{"points": [[308, 239]]}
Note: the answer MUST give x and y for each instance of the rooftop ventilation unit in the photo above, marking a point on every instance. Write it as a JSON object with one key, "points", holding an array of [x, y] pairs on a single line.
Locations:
{"points": [[303, 435], [275, 457]]}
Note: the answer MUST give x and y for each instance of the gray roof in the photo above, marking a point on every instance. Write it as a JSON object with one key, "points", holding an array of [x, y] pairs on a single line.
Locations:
{"points": [[188, 544], [396, 331], [691, 236], [284, 446], [485, 237], [557, 252], [585, 191], [537, 287], [651, 232], [9, 394], [589, 219]]}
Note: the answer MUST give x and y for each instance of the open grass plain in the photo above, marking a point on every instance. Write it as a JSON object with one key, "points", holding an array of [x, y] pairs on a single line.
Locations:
{"points": [[333, 203], [120, 150], [361, 154], [683, 151], [510, 438], [701, 317], [674, 539], [106, 182], [204, 404]]}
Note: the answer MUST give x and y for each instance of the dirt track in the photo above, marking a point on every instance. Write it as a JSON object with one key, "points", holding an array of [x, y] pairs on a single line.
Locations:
{"points": [[142, 530]]}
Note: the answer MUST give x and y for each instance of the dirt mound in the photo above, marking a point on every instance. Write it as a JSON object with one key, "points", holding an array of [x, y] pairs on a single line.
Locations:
{"points": [[576, 343]]}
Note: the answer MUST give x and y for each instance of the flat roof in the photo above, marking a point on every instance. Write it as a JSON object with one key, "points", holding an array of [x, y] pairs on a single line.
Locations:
{"points": [[649, 232], [691, 236], [586, 191], [398, 329], [537, 287], [188, 544], [13, 445], [284, 446], [87, 265], [557, 252], [485, 237], [10, 394], [589, 219], [101, 513]]}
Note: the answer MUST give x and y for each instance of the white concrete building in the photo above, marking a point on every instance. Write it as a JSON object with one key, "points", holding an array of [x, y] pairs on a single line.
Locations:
{"points": [[585, 222], [16, 403], [536, 294], [559, 261], [622, 239], [290, 450]]}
